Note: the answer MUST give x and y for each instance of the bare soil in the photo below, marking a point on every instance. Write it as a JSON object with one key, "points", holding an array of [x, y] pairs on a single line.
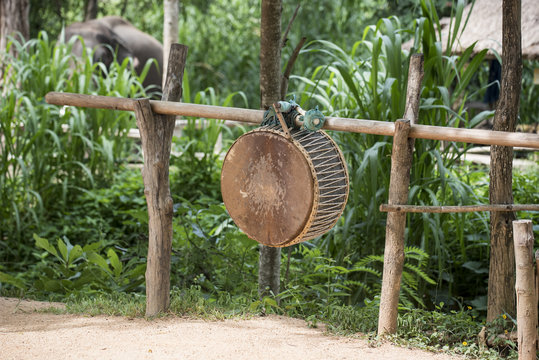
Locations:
{"points": [[26, 333]]}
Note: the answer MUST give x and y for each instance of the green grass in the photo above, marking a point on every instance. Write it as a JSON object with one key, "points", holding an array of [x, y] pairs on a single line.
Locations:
{"points": [[183, 303]]}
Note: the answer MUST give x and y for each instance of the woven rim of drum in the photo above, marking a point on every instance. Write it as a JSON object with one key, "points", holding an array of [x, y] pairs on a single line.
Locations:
{"points": [[313, 170], [278, 131]]}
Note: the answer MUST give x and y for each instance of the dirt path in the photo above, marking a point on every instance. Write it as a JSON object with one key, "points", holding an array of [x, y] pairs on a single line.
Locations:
{"points": [[26, 334]]}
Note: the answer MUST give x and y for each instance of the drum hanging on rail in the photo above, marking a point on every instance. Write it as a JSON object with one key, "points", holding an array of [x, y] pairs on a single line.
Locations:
{"points": [[280, 190]]}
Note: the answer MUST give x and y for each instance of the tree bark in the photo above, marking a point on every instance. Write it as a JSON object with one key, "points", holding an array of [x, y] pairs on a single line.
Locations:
{"points": [[91, 10], [170, 30], [288, 69], [269, 273], [13, 19], [270, 52], [525, 290], [401, 164], [501, 297], [156, 134]]}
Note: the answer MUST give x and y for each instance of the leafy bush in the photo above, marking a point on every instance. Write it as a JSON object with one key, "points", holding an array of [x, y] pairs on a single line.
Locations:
{"points": [[369, 82], [210, 252], [50, 154], [65, 269]]}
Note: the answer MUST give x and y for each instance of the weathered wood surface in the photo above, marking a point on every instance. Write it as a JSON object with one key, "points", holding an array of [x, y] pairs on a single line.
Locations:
{"points": [[399, 182], [476, 136], [156, 135], [457, 209], [413, 89], [525, 289], [537, 280], [401, 162]]}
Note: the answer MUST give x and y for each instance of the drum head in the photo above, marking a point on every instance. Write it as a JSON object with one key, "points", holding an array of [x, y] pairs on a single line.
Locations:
{"points": [[268, 187]]}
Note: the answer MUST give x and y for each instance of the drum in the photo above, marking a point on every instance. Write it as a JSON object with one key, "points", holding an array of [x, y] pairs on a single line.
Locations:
{"points": [[280, 190]]}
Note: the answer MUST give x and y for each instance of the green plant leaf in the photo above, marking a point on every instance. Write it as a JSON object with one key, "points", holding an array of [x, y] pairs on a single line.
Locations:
{"points": [[74, 254], [44, 244], [98, 260], [8, 279], [63, 250], [115, 262]]}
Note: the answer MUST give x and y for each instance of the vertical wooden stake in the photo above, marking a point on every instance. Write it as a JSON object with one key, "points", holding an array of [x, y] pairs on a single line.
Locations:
{"points": [[156, 136], [413, 90], [525, 289], [537, 278], [401, 163]]}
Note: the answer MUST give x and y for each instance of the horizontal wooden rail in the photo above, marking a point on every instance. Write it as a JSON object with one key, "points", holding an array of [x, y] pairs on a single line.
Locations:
{"points": [[457, 209], [476, 136]]}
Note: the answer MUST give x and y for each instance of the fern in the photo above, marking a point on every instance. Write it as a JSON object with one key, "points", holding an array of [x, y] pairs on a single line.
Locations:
{"points": [[415, 262]]}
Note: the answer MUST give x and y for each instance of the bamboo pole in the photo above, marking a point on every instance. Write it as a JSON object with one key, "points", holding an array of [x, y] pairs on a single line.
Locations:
{"points": [[156, 134], [525, 289], [457, 209], [476, 136]]}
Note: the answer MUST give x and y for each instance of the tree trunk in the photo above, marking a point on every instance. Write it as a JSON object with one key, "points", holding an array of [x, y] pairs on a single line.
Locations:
{"points": [[13, 19], [501, 297], [270, 52], [270, 92], [90, 10], [170, 30]]}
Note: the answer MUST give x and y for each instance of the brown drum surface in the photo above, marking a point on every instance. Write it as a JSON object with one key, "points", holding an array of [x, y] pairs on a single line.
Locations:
{"points": [[268, 187]]}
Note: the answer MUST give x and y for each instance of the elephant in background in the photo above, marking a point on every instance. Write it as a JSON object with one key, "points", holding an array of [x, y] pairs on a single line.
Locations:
{"points": [[143, 46], [125, 40]]}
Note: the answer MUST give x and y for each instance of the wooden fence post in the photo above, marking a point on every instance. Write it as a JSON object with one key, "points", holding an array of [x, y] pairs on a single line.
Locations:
{"points": [[401, 163], [156, 136], [537, 281], [525, 289]]}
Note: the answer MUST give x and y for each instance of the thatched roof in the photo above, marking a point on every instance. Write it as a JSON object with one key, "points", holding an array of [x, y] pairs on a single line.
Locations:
{"points": [[485, 27]]}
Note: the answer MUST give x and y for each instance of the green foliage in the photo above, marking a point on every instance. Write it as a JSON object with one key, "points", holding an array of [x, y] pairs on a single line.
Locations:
{"points": [[210, 252], [225, 38], [369, 82], [197, 153], [529, 106], [115, 215], [317, 284], [84, 269], [49, 154], [455, 332]]}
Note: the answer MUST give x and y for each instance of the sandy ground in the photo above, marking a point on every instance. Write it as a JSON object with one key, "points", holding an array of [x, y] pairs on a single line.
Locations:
{"points": [[27, 334]]}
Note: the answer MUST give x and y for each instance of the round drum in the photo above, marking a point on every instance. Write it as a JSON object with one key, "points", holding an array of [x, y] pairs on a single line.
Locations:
{"points": [[282, 191]]}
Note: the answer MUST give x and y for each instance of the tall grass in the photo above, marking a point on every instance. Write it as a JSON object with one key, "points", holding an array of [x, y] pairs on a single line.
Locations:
{"points": [[50, 153], [369, 81]]}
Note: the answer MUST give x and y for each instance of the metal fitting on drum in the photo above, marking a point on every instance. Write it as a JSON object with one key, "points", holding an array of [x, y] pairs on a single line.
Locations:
{"points": [[313, 120]]}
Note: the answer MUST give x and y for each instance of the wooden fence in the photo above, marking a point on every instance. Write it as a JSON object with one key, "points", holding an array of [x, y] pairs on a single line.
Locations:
{"points": [[156, 123]]}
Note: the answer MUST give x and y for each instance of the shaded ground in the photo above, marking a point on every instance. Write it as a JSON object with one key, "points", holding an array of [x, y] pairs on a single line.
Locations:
{"points": [[27, 334]]}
